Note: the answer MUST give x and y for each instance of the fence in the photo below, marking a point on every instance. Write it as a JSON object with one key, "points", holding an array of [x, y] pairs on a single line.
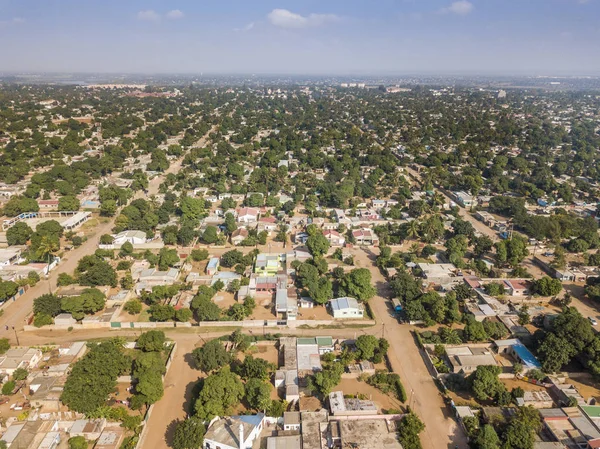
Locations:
{"points": [[118, 325]]}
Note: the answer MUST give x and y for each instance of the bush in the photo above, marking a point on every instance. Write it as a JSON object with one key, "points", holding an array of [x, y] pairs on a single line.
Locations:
{"points": [[388, 383], [20, 374], [41, 319], [133, 306], [78, 442], [8, 387], [198, 255]]}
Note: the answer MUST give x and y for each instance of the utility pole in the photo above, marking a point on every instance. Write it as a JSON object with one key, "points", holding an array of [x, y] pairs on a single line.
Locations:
{"points": [[16, 336]]}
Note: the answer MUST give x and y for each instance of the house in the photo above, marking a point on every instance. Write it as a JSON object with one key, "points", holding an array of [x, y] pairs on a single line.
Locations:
{"points": [[465, 359], [516, 287], [464, 199], [438, 273], [518, 352], [153, 277], [247, 215], [45, 392], [346, 307], [286, 305], [267, 264], [10, 256], [110, 438], [268, 224], [291, 421], [334, 238], [234, 432], [64, 319], [226, 277], [341, 406], [90, 429], [239, 235], [213, 266], [366, 237], [16, 358], [133, 237]]}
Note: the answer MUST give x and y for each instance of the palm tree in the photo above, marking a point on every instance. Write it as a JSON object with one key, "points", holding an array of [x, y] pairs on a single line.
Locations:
{"points": [[413, 229], [437, 200], [47, 248]]}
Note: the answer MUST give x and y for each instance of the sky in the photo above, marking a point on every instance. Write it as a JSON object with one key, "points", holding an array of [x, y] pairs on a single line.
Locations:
{"points": [[343, 37]]}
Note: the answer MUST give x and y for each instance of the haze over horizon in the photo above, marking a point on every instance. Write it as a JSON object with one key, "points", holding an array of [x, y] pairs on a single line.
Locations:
{"points": [[542, 37]]}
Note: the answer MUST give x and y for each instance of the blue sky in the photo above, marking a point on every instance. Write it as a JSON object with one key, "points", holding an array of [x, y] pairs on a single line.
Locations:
{"points": [[302, 37]]}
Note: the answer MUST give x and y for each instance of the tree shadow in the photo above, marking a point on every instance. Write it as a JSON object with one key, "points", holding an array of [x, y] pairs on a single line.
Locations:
{"points": [[189, 359], [170, 432]]}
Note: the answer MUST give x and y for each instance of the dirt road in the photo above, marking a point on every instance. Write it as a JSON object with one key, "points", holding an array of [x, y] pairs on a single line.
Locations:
{"points": [[441, 430], [16, 313]]}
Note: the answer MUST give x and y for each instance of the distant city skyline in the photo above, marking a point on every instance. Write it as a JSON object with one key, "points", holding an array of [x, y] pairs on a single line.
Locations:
{"points": [[335, 37]]}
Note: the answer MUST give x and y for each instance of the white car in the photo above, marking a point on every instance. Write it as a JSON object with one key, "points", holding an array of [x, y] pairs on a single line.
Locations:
{"points": [[593, 321]]}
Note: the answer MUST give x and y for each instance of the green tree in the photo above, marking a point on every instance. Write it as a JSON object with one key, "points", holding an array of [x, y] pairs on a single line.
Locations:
{"points": [[18, 234], [230, 224], [151, 341], [408, 431], [189, 434], [366, 346], [8, 289], [546, 286], [522, 429], [199, 255], [357, 284], [47, 304], [150, 386], [258, 394], [133, 306], [210, 235], [487, 438], [220, 391], [4, 345], [94, 376], [254, 368], [8, 387], [211, 356], [68, 203], [555, 352], [485, 382], [78, 442], [317, 244], [321, 291]]}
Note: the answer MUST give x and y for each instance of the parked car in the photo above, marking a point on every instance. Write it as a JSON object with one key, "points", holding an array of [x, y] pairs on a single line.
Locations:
{"points": [[593, 321]]}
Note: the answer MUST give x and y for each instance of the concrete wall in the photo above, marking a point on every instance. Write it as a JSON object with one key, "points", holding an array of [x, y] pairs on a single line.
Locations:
{"points": [[169, 324]]}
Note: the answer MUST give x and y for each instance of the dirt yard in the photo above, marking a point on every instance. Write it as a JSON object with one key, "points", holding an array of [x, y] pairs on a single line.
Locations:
{"points": [[355, 387]]}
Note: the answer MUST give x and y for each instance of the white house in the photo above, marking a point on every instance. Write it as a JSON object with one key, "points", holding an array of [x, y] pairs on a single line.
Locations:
{"points": [[133, 237], [334, 238], [346, 307], [247, 215], [16, 358], [235, 432], [365, 237]]}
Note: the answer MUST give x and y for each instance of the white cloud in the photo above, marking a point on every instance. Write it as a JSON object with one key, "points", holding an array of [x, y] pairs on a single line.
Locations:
{"points": [[245, 28], [18, 20], [175, 14], [148, 15], [284, 18], [461, 8]]}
